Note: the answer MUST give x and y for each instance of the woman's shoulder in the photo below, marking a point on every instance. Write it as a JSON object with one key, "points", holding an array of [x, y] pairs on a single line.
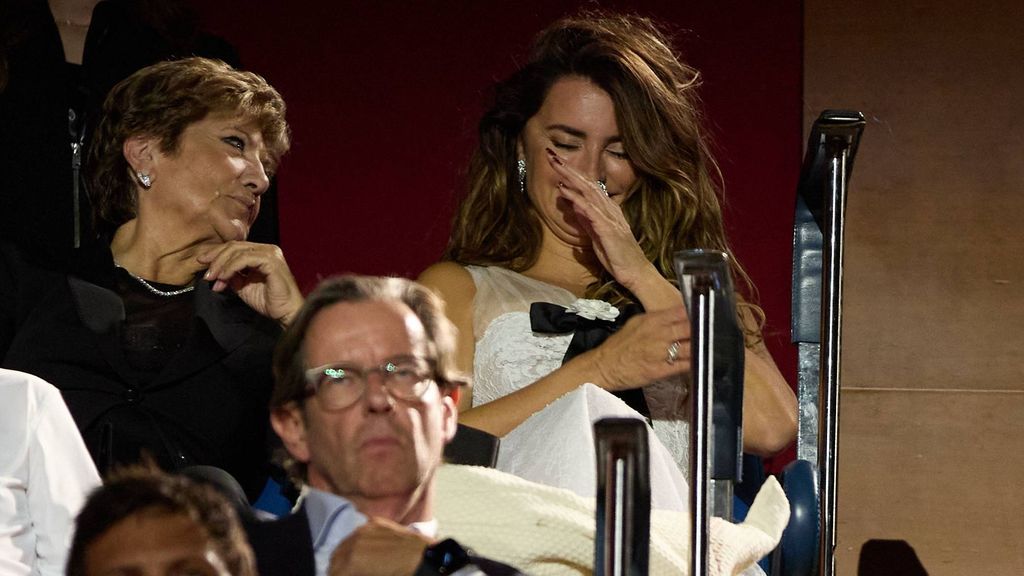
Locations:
{"points": [[448, 278], [455, 285]]}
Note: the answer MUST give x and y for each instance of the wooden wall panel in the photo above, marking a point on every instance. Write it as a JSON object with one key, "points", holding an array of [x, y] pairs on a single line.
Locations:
{"points": [[933, 358]]}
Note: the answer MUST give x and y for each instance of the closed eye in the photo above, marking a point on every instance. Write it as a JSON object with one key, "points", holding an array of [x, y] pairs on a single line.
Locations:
{"points": [[564, 146]]}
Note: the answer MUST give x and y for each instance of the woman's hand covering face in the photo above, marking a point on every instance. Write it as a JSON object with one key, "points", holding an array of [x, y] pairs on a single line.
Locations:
{"points": [[600, 217]]}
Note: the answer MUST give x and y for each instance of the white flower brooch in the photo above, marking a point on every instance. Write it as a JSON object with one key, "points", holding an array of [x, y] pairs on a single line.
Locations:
{"points": [[593, 309]]}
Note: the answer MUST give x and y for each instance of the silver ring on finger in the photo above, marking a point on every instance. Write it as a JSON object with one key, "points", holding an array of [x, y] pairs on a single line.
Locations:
{"points": [[673, 352], [603, 187]]}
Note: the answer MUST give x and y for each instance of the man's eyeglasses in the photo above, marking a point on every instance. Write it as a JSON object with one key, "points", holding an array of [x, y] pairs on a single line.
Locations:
{"points": [[338, 386]]}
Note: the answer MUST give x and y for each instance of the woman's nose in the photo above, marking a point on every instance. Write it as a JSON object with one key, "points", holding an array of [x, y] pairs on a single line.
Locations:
{"points": [[256, 178], [589, 164]]}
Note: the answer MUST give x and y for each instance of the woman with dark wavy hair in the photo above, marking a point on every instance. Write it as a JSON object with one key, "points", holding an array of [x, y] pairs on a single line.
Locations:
{"points": [[591, 172]]}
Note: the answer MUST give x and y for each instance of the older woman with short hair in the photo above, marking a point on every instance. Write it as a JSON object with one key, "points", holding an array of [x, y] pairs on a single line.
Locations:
{"points": [[160, 337]]}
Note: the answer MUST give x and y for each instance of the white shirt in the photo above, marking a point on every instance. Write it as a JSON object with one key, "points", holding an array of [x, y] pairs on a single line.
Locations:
{"points": [[333, 518], [45, 475]]}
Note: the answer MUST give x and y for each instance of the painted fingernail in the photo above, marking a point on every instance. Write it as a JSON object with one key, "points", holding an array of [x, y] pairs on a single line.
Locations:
{"points": [[554, 157]]}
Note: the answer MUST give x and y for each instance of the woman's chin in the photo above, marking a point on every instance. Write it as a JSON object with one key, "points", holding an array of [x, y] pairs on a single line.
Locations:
{"points": [[233, 230], [573, 235], [241, 229]]}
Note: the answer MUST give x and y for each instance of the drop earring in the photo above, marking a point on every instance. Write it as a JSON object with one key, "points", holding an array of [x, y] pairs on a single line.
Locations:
{"points": [[521, 164]]}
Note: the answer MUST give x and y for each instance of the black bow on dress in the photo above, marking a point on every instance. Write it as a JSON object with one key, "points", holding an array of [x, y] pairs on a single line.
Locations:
{"points": [[547, 318]]}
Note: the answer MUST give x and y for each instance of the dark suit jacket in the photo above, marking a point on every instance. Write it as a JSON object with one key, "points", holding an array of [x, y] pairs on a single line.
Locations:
{"points": [[284, 547], [208, 406]]}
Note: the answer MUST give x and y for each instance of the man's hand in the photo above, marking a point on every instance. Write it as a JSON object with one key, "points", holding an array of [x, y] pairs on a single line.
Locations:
{"points": [[379, 548]]}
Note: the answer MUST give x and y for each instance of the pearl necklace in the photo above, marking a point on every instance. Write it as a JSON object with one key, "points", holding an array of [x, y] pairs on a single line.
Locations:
{"points": [[153, 289]]}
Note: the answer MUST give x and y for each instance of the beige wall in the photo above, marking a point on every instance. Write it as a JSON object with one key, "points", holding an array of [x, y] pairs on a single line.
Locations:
{"points": [[933, 356]]}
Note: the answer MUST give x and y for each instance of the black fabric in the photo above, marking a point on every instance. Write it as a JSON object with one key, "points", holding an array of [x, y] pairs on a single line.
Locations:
{"points": [[472, 447], [207, 406], [37, 194], [588, 334], [284, 547], [155, 327]]}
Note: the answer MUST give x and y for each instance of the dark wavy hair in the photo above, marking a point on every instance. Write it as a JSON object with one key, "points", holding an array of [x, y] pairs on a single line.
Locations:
{"points": [[290, 359], [139, 489], [161, 101], [675, 202]]}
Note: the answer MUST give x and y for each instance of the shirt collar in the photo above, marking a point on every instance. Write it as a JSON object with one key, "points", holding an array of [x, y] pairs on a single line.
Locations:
{"points": [[323, 510], [428, 528]]}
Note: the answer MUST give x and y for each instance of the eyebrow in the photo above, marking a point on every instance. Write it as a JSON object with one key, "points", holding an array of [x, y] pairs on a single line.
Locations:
{"points": [[392, 359], [577, 133]]}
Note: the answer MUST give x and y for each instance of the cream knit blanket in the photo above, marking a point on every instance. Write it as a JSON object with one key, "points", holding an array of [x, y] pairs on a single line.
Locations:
{"points": [[548, 531]]}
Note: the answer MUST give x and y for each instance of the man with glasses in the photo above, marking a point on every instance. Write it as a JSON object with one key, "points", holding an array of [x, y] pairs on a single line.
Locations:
{"points": [[364, 403]]}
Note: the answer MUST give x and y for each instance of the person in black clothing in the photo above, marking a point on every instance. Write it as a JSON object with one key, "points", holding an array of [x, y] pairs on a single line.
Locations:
{"points": [[58, 61], [364, 404], [159, 337]]}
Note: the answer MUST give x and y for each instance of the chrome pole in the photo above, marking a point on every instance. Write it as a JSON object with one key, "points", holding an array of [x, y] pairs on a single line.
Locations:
{"points": [[623, 497], [715, 433], [832, 288], [702, 313]]}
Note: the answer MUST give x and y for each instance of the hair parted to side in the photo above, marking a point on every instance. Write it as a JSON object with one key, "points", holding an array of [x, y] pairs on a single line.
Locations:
{"points": [[161, 101], [675, 202], [289, 356], [140, 489]]}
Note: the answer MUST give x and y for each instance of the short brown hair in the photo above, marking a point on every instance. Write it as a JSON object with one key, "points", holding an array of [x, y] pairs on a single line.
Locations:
{"points": [[137, 489], [161, 101], [289, 357]]}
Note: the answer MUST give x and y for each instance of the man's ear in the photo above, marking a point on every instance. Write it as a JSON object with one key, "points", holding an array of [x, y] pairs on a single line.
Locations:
{"points": [[290, 424], [456, 394], [450, 414]]}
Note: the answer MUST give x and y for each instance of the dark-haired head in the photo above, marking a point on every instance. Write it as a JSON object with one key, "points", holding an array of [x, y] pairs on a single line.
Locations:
{"points": [[145, 494], [673, 203]]}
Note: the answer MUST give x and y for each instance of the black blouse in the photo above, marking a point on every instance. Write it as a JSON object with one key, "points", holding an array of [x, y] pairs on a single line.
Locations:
{"points": [[184, 383]]}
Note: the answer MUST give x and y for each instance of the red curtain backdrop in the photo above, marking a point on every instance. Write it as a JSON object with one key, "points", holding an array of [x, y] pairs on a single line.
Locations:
{"points": [[383, 98]]}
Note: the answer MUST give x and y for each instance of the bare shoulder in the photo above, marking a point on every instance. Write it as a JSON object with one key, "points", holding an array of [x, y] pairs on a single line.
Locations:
{"points": [[451, 280], [455, 285]]}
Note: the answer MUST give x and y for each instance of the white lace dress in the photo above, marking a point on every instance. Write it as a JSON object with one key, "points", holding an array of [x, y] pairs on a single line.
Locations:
{"points": [[556, 446]]}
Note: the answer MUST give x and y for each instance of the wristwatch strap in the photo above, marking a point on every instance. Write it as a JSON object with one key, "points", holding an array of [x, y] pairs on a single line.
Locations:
{"points": [[442, 558]]}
